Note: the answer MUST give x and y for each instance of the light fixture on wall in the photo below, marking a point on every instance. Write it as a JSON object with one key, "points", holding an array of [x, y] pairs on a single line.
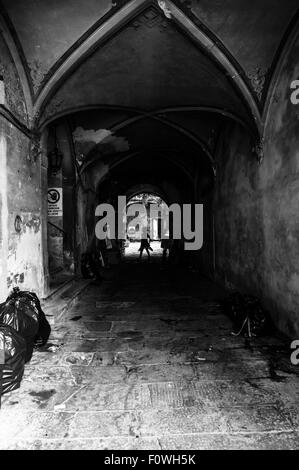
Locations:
{"points": [[55, 157]]}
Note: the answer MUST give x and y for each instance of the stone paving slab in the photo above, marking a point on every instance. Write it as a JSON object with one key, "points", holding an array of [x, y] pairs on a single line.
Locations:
{"points": [[33, 424], [166, 325], [99, 326], [102, 397], [196, 420], [202, 371], [254, 441], [38, 397], [259, 419], [104, 424], [49, 375], [177, 343], [190, 355], [155, 371], [95, 344], [288, 389], [77, 374], [181, 421], [104, 374], [158, 314], [210, 394], [207, 335], [112, 443]]}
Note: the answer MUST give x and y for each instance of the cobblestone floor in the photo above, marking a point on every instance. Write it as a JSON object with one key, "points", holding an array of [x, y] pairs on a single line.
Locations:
{"points": [[147, 361]]}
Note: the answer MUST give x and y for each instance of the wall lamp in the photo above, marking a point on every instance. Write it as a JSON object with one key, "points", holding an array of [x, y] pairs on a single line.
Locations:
{"points": [[55, 157]]}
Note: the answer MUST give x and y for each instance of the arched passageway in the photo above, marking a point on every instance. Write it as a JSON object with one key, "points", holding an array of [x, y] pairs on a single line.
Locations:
{"points": [[152, 101]]}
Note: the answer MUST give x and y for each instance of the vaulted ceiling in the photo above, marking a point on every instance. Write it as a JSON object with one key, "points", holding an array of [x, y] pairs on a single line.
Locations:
{"points": [[146, 59], [149, 78]]}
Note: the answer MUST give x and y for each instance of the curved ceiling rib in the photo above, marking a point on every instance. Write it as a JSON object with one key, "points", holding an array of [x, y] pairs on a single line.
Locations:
{"points": [[199, 142], [115, 23], [131, 155], [203, 40], [287, 44], [178, 128], [138, 112], [172, 161]]}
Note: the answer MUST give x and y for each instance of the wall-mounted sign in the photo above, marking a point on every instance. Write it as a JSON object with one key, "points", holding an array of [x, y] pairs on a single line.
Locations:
{"points": [[55, 202]]}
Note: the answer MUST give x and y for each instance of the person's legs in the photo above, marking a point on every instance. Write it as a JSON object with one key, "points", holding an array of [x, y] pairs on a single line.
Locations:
{"points": [[141, 251], [148, 253]]}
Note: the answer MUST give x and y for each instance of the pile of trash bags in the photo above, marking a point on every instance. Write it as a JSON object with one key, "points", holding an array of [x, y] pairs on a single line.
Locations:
{"points": [[247, 314], [23, 326]]}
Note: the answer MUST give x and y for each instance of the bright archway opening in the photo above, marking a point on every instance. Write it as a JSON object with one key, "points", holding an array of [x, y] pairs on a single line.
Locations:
{"points": [[144, 227]]}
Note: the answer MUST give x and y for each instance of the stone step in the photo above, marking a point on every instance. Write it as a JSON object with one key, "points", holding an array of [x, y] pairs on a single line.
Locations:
{"points": [[64, 297]]}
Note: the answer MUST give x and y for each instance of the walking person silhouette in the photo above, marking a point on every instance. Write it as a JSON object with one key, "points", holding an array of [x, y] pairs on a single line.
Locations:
{"points": [[145, 245]]}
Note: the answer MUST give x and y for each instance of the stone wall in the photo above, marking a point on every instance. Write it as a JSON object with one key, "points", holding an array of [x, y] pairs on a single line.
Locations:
{"points": [[257, 207], [238, 214], [279, 181]]}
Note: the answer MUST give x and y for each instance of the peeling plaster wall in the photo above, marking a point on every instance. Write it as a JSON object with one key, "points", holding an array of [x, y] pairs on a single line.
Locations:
{"points": [[257, 208], [20, 197]]}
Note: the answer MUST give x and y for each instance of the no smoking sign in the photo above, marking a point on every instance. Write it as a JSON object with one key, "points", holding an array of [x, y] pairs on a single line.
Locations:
{"points": [[55, 202]]}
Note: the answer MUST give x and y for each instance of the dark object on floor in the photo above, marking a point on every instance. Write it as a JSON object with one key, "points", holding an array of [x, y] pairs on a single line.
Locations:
{"points": [[86, 266], [91, 265], [247, 314], [13, 350], [76, 318], [22, 311], [19, 313], [44, 329]]}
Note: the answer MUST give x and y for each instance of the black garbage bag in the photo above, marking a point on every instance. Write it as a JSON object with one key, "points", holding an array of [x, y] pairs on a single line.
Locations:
{"points": [[21, 314], [247, 314], [44, 329], [12, 359]]}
